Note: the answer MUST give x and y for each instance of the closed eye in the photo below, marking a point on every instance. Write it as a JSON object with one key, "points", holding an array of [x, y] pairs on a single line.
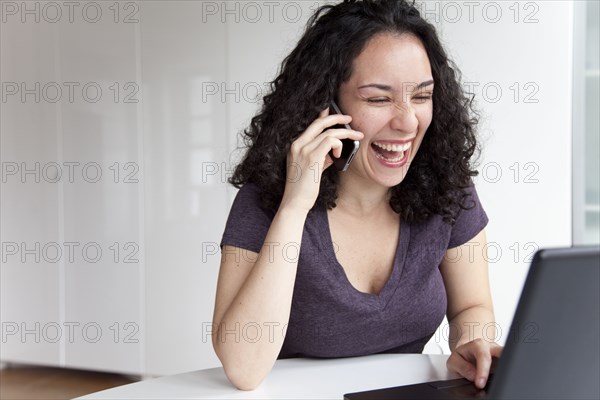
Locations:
{"points": [[379, 100], [423, 98]]}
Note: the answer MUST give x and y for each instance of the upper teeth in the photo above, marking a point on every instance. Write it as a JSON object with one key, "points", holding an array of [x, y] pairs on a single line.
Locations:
{"points": [[393, 147]]}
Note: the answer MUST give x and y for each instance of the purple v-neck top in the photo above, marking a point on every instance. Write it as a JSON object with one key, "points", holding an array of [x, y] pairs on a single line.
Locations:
{"points": [[330, 317]]}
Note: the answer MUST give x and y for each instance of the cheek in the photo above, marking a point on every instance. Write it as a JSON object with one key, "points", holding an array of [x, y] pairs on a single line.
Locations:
{"points": [[368, 123], [360, 122], [424, 117]]}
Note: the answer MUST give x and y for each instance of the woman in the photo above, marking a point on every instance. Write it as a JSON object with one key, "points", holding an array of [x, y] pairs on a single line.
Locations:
{"points": [[322, 263]]}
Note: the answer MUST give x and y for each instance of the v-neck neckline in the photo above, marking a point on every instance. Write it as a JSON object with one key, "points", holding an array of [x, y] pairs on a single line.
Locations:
{"points": [[385, 294]]}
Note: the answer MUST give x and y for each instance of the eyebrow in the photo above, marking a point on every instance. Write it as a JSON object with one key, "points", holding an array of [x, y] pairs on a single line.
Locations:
{"points": [[389, 88]]}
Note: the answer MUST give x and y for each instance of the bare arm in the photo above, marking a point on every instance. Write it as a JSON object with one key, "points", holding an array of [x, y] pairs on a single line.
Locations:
{"points": [[253, 302], [470, 310], [254, 291]]}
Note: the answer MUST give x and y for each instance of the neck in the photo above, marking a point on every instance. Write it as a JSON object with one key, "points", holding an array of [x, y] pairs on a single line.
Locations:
{"points": [[361, 197]]}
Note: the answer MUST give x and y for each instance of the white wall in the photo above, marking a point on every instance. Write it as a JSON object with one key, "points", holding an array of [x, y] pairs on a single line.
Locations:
{"points": [[188, 73]]}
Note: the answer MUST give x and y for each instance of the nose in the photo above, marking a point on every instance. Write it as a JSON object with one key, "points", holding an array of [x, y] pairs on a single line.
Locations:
{"points": [[404, 118]]}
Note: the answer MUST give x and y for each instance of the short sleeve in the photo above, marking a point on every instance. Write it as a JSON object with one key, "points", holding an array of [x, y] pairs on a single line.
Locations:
{"points": [[469, 222], [248, 223]]}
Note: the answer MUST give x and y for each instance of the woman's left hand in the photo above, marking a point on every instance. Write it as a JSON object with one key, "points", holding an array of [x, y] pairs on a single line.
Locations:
{"points": [[473, 360]]}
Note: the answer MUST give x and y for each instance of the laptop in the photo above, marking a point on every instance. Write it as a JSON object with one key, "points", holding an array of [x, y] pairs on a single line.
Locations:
{"points": [[553, 347]]}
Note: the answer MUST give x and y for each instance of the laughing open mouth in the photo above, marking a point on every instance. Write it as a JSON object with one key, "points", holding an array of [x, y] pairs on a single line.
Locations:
{"points": [[391, 153]]}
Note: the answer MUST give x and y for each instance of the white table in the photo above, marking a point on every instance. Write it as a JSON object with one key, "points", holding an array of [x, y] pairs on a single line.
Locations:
{"points": [[298, 378]]}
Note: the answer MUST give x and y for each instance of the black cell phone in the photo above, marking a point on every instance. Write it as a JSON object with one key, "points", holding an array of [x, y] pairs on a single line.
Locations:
{"points": [[349, 146]]}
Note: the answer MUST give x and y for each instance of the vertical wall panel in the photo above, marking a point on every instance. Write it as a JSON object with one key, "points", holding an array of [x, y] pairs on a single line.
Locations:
{"points": [[183, 61], [30, 278], [100, 207]]}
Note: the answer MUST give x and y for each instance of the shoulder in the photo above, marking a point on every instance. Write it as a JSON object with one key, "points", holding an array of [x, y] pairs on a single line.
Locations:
{"points": [[248, 222], [469, 197], [249, 191], [249, 197], [471, 217]]}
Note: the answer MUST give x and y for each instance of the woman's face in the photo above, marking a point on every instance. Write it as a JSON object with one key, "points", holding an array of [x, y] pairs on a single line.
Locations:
{"points": [[389, 96]]}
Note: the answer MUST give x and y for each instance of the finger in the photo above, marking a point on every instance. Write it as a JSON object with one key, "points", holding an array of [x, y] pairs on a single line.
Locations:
{"points": [[320, 124], [458, 364], [341, 134], [496, 350], [483, 363], [324, 113], [496, 353], [335, 133], [327, 144], [328, 162]]}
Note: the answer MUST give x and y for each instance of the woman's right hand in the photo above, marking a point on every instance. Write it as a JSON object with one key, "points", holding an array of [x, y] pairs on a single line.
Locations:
{"points": [[308, 158]]}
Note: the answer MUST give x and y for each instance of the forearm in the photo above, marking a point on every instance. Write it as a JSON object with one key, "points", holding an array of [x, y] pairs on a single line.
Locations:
{"points": [[250, 334], [472, 323]]}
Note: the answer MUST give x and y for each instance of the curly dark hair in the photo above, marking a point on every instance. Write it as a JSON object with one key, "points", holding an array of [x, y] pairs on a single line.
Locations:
{"points": [[309, 79]]}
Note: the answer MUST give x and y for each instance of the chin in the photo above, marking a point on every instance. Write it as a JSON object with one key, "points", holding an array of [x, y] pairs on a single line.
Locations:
{"points": [[389, 182], [388, 177]]}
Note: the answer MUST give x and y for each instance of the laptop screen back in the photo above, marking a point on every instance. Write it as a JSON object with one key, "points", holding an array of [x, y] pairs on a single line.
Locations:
{"points": [[553, 348]]}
